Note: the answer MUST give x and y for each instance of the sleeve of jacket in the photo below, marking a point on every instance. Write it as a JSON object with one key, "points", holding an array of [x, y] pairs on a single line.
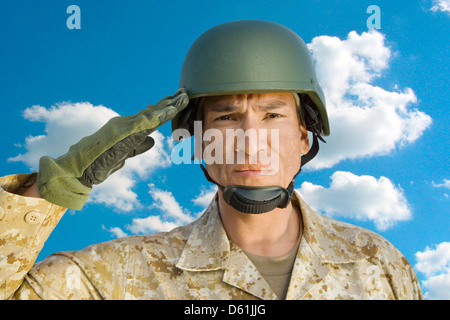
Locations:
{"points": [[96, 272], [25, 225], [408, 287], [396, 269]]}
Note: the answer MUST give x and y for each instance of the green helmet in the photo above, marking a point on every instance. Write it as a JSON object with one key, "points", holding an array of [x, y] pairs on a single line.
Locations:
{"points": [[250, 56]]}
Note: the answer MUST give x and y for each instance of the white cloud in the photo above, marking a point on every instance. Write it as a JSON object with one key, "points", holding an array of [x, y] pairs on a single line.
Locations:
{"points": [[169, 206], [437, 287], [116, 232], [365, 119], [441, 5], [115, 192], [204, 199], [170, 214], [150, 225], [205, 196], [434, 263], [359, 197], [434, 260], [65, 124], [444, 184]]}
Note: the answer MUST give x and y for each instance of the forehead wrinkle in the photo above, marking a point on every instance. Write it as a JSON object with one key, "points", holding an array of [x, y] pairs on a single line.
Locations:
{"points": [[271, 105], [221, 104], [233, 106], [223, 107], [234, 103]]}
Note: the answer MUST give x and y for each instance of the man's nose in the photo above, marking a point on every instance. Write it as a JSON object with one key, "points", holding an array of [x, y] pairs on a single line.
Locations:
{"points": [[255, 136]]}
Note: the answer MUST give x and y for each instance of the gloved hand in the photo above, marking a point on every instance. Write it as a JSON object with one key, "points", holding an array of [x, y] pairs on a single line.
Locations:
{"points": [[67, 180]]}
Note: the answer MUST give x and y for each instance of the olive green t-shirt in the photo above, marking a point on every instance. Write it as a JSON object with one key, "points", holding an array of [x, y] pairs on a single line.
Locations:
{"points": [[276, 270]]}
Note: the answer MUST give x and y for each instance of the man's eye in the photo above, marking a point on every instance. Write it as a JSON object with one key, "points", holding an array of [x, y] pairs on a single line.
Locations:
{"points": [[273, 115], [224, 118]]}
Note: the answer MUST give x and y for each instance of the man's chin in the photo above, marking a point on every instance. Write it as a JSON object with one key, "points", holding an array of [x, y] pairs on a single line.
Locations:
{"points": [[254, 179]]}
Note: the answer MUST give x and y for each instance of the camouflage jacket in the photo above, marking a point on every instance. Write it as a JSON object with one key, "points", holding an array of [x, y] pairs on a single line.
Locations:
{"points": [[335, 260]]}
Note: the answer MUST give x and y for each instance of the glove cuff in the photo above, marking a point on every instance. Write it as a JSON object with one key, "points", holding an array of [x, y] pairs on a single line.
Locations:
{"points": [[57, 187]]}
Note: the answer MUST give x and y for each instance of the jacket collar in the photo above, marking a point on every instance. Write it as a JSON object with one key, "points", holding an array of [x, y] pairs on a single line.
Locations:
{"points": [[208, 248]]}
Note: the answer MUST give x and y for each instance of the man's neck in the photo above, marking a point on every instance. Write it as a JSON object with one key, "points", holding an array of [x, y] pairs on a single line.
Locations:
{"points": [[270, 234]]}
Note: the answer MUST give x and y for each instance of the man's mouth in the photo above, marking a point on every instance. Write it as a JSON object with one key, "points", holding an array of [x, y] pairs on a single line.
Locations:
{"points": [[254, 171]]}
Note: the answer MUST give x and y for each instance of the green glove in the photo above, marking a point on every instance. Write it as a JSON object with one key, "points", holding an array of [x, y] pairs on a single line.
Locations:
{"points": [[67, 180]]}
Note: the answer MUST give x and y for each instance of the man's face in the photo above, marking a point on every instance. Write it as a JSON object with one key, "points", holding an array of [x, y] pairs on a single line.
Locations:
{"points": [[272, 132]]}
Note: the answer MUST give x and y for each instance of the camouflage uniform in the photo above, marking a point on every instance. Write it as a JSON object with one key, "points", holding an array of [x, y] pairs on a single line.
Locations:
{"points": [[335, 260]]}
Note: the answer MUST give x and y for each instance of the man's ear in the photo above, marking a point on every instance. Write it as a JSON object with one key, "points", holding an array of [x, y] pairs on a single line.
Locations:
{"points": [[304, 140]]}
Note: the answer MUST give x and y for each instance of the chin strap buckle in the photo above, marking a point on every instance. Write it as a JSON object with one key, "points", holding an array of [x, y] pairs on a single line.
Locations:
{"points": [[256, 200]]}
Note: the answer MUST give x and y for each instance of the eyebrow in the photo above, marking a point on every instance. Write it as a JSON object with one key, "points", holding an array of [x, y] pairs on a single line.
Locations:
{"points": [[219, 107], [224, 107], [272, 105]]}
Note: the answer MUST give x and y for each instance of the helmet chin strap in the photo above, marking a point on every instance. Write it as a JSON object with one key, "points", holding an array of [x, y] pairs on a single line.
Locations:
{"points": [[256, 200]]}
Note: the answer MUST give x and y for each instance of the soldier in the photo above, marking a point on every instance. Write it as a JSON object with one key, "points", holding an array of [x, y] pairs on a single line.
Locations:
{"points": [[257, 239]]}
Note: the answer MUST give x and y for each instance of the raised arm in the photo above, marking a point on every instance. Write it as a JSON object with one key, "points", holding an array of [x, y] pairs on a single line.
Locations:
{"points": [[32, 205]]}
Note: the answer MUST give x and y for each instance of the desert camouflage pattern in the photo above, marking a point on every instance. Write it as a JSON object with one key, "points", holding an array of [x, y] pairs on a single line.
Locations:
{"points": [[335, 260]]}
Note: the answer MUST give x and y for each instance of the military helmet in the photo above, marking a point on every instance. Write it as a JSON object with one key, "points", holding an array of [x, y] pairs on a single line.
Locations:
{"points": [[250, 56]]}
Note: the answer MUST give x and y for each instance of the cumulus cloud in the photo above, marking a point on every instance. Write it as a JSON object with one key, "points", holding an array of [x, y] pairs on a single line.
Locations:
{"points": [[150, 225], [434, 263], [441, 5], [359, 197], [168, 205], [205, 196], [65, 124], [165, 213], [116, 232], [169, 214], [204, 199], [365, 119]]}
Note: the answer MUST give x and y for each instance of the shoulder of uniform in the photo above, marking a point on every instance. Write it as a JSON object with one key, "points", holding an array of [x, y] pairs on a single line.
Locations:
{"points": [[168, 244], [364, 241]]}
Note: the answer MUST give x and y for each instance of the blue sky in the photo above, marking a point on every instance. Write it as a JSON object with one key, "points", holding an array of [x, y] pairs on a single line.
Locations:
{"points": [[384, 167]]}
